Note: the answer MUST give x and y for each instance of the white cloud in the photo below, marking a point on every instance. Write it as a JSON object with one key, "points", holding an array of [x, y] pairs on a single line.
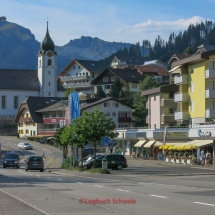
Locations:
{"points": [[152, 28]]}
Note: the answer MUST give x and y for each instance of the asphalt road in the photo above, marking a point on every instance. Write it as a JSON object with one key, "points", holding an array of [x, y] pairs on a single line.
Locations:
{"points": [[62, 192]]}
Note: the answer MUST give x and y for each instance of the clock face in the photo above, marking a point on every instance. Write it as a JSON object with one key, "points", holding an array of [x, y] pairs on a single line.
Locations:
{"points": [[49, 54]]}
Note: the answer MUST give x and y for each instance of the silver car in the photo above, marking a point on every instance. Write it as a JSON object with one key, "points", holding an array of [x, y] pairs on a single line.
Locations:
{"points": [[25, 146], [34, 162]]}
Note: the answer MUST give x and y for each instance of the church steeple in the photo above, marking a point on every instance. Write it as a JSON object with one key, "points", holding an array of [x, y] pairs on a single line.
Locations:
{"points": [[47, 43]]}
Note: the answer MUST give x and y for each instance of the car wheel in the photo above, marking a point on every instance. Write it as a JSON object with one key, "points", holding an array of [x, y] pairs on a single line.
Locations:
{"points": [[119, 167], [18, 167], [26, 170], [4, 166], [42, 170]]}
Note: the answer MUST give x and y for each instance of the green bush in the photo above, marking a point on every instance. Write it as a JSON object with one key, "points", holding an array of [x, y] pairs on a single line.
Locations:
{"points": [[186, 154], [66, 164], [166, 153], [176, 154]]}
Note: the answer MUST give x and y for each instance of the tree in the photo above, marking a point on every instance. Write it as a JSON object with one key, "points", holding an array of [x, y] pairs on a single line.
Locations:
{"points": [[91, 127], [188, 50], [68, 91], [126, 95], [140, 113], [100, 93], [115, 89]]}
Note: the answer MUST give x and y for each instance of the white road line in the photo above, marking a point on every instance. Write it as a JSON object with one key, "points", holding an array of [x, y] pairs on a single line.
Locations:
{"points": [[98, 186], [79, 183], [202, 203], [201, 168], [29, 174], [49, 177], [159, 196], [59, 179], [37, 175], [123, 190]]}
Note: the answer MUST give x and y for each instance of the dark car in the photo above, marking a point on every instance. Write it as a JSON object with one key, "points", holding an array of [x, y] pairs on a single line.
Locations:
{"points": [[34, 162], [114, 162], [11, 160], [88, 158], [87, 151]]}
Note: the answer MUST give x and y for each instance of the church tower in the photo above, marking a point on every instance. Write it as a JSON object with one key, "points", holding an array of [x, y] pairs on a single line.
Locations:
{"points": [[47, 67]]}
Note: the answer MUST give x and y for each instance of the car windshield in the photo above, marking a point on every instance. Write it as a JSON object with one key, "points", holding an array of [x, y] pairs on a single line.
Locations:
{"points": [[26, 144], [35, 158], [12, 156]]}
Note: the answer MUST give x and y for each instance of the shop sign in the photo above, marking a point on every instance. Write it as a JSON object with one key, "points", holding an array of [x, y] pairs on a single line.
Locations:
{"points": [[204, 133]]}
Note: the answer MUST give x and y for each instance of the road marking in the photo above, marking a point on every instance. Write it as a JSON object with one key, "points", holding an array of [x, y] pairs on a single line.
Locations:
{"points": [[11, 178], [205, 168], [59, 179], [29, 174], [202, 203], [8, 142], [49, 177], [37, 175], [98, 186], [159, 196], [123, 190], [79, 183]]}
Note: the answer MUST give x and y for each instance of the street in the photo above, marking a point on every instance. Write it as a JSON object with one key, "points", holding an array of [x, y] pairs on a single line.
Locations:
{"points": [[143, 188]]}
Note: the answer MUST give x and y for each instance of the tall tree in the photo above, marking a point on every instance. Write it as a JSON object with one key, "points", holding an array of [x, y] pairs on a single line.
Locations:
{"points": [[115, 89], [100, 93], [68, 91]]}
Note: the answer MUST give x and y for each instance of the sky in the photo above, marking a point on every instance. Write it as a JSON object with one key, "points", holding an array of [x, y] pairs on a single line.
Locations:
{"points": [[110, 20]]}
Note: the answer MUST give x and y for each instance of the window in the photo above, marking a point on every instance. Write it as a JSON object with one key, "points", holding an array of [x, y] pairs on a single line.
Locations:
{"points": [[105, 79], [108, 113], [87, 73], [114, 104], [106, 104], [79, 74], [83, 73], [79, 67], [49, 73], [123, 126], [192, 87], [112, 78], [93, 75], [134, 86], [49, 62], [171, 111], [76, 74], [192, 105], [49, 84], [3, 102], [15, 102], [73, 67], [113, 114], [107, 87], [123, 115]]}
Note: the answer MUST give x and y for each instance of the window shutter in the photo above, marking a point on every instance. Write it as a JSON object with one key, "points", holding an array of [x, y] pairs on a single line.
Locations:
{"points": [[105, 104], [116, 104]]}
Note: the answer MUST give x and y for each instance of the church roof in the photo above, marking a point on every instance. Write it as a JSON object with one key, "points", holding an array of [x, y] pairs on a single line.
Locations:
{"points": [[20, 79], [47, 43]]}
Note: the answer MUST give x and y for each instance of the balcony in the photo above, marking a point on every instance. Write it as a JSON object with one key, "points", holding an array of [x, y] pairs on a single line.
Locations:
{"points": [[78, 85], [210, 113], [48, 131], [52, 120], [28, 119], [181, 97], [168, 103], [124, 119], [167, 118], [74, 78], [209, 73], [147, 105], [181, 115], [181, 79], [210, 93]]}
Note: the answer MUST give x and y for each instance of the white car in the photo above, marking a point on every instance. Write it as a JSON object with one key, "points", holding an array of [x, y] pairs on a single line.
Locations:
{"points": [[25, 146]]}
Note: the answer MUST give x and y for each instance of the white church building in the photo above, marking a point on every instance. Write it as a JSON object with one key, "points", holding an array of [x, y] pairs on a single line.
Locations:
{"points": [[17, 84]]}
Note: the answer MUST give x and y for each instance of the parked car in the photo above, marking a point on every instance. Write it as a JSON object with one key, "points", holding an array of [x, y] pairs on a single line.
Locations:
{"points": [[87, 151], [114, 162], [34, 162], [87, 158], [11, 159], [25, 146]]}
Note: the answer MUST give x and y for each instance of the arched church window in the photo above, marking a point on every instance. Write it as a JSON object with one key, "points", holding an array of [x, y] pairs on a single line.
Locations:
{"points": [[49, 62]]}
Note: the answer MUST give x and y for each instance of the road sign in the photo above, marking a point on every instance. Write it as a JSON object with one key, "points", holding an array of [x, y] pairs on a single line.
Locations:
{"points": [[105, 141]]}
